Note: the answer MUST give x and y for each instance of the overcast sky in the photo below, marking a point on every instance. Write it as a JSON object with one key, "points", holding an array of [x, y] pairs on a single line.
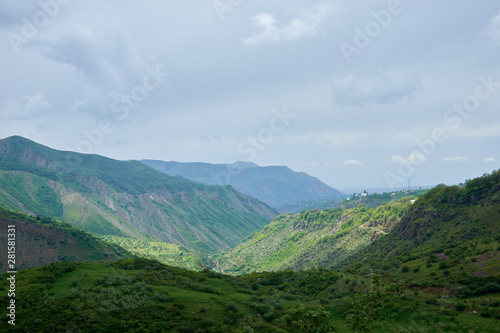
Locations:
{"points": [[360, 94]]}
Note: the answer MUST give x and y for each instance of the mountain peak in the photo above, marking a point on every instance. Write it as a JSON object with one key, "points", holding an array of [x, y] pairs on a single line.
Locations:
{"points": [[243, 165]]}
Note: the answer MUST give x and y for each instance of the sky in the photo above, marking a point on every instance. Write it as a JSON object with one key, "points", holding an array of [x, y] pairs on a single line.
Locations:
{"points": [[360, 94]]}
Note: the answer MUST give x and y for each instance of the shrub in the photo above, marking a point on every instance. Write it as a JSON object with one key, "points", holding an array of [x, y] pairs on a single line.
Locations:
{"points": [[432, 301], [443, 265], [269, 316], [405, 269], [486, 314]]}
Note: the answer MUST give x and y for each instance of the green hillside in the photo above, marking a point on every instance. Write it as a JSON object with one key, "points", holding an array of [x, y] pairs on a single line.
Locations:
{"points": [[166, 253], [41, 241], [122, 199], [450, 237], [458, 226], [312, 238], [139, 295]]}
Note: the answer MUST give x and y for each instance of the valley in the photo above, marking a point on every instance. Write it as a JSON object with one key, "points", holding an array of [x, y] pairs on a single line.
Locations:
{"points": [[106, 245]]}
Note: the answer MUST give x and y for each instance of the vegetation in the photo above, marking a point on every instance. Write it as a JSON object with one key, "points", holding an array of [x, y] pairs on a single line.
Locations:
{"points": [[426, 264], [312, 238], [166, 253], [140, 295]]}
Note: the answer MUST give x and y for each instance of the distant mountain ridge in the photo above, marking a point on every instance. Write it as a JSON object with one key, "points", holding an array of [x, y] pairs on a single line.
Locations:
{"points": [[110, 197], [274, 185]]}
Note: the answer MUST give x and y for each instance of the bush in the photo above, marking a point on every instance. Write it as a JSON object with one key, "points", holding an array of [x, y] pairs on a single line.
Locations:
{"points": [[405, 269], [443, 265], [460, 307], [486, 314], [270, 316]]}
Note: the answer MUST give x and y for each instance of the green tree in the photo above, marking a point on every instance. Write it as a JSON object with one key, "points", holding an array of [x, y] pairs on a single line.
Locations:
{"points": [[368, 308], [302, 319]]}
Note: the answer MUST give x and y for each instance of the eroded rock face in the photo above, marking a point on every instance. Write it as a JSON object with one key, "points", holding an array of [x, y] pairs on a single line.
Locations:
{"points": [[39, 245]]}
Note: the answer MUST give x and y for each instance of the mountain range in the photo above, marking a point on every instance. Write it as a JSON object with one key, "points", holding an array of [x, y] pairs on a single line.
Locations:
{"points": [[125, 198], [422, 261], [274, 185]]}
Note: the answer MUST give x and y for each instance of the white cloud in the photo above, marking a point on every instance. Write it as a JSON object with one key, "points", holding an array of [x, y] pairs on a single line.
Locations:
{"points": [[307, 24], [489, 160], [414, 159], [381, 88], [30, 106], [456, 159], [493, 29], [352, 162]]}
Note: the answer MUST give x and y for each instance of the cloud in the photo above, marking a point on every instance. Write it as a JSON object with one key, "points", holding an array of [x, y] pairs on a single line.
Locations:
{"points": [[489, 160], [30, 107], [493, 29], [325, 137], [352, 162], [414, 159], [105, 57], [456, 159], [307, 24], [382, 88]]}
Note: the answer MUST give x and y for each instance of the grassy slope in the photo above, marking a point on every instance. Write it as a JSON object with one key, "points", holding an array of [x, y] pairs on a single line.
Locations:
{"points": [[109, 197], [166, 253], [312, 238], [449, 238], [138, 295]]}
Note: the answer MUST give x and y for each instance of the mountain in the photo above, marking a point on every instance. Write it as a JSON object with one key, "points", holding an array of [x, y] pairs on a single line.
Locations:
{"points": [[459, 226], [274, 185], [41, 241], [109, 197]]}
